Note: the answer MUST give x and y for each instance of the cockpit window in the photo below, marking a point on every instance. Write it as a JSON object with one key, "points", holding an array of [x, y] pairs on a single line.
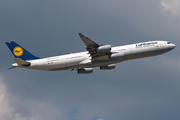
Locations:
{"points": [[168, 42]]}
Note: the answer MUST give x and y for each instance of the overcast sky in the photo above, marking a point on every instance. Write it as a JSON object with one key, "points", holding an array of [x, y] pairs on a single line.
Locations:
{"points": [[142, 89]]}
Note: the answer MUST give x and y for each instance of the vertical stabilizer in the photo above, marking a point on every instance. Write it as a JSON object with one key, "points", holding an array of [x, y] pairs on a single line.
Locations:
{"points": [[20, 52]]}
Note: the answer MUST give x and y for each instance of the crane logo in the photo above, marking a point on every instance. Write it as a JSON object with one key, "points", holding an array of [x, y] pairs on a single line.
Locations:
{"points": [[18, 51]]}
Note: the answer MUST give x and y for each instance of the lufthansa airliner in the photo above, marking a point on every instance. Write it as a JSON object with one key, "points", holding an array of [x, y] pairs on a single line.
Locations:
{"points": [[103, 56]]}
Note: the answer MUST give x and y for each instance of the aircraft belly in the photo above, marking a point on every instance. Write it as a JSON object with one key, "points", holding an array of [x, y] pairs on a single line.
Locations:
{"points": [[142, 52], [94, 64]]}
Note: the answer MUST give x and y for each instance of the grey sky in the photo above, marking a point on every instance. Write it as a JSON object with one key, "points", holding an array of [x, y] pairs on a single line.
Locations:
{"points": [[142, 89]]}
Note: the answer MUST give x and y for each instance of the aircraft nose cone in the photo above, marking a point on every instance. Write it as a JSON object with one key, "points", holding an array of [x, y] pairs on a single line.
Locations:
{"points": [[173, 46]]}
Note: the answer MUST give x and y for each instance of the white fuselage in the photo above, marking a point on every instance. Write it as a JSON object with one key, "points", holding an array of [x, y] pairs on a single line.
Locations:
{"points": [[83, 59]]}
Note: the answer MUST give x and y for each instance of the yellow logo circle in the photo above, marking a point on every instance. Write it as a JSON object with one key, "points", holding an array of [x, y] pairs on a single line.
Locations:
{"points": [[18, 51]]}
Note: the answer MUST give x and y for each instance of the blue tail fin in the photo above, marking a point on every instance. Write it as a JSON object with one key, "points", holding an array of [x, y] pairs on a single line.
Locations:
{"points": [[20, 52]]}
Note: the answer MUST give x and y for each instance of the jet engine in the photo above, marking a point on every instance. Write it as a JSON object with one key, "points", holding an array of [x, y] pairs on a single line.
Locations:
{"points": [[111, 56], [107, 67], [85, 70], [104, 48], [117, 55]]}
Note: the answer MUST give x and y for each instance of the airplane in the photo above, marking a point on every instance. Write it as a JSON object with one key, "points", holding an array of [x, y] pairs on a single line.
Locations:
{"points": [[103, 56]]}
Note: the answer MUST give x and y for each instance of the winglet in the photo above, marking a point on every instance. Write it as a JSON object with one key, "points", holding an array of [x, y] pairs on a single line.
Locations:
{"points": [[12, 67], [81, 35]]}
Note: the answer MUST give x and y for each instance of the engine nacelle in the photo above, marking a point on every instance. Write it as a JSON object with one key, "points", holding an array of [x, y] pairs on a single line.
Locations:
{"points": [[104, 48], [85, 70], [107, 67], [117, 55]]}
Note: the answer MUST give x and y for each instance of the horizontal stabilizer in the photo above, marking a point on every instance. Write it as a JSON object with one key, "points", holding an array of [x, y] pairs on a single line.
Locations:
{"points": [[12, 67], [21, 62]]}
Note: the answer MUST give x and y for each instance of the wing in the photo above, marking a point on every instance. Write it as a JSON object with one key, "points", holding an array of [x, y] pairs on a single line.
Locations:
{"points": [[88, 42], [97, 52]]}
